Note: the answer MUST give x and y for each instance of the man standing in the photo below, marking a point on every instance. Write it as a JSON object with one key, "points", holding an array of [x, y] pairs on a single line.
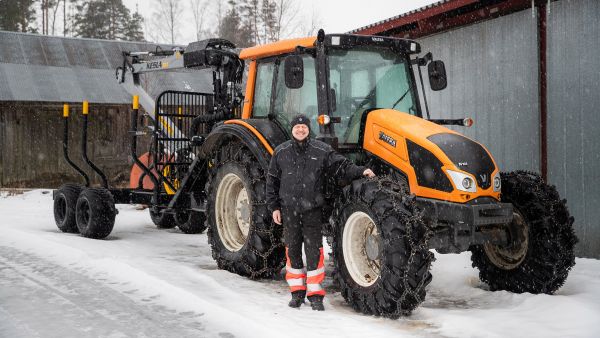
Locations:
{"points": [[295, 182]]}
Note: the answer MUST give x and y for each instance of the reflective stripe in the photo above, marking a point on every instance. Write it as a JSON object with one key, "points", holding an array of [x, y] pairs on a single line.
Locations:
{"points": [[289, 269], [295, 281], [293, 276], [314, 287], [313, 273]]}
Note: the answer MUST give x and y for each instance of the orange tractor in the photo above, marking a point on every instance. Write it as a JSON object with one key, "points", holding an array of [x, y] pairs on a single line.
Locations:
{"points": [[435, 188]]}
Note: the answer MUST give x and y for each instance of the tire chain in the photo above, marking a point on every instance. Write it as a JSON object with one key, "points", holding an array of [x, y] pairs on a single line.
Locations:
{"points": [[401, 202], [266, 270]]}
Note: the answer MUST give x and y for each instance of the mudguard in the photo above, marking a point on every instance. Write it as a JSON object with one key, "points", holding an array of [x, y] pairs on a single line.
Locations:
{"points": [[261, 136]]}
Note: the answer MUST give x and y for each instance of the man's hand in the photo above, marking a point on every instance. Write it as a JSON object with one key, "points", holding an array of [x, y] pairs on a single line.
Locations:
{"points": [[368, 173], [277, 216]]}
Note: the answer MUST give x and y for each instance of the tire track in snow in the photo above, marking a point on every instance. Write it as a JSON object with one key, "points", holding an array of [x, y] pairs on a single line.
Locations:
{"points": [[67, 303]]}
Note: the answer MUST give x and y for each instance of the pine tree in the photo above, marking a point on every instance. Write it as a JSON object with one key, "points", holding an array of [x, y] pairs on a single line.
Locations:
{"points": [[17, 15], [107, 19], [232, 27]]}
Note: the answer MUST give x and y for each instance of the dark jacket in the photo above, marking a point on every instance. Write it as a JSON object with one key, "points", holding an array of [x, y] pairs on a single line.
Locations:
{"points": [[298, 171]]}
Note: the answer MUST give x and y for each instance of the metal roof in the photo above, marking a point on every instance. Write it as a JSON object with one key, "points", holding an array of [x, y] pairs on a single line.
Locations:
{"points": [[57, 69], [420, 9]]}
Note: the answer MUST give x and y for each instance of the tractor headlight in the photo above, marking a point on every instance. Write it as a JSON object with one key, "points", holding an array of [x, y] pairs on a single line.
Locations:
{"points": [[497, 183], [462, 182]]}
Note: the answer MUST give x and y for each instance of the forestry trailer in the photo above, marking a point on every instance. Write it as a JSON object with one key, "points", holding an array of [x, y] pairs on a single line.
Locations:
{"points": [[435, 188]]}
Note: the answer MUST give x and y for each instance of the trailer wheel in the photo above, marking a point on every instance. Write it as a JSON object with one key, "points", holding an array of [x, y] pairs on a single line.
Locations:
{"points": [[65, 202], [243, 238], [380, 248], [95, 213], [540, 255], [162, 220], [191, 222]]}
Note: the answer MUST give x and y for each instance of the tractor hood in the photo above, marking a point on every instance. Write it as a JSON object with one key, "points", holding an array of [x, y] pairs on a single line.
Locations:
{"points": [[425, 150]]}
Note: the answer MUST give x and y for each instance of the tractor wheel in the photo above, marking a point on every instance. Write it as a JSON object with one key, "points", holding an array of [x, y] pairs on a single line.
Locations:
{"points": [[541, 254], [162, 220], [95, 213], [243, 238], [191, 222], [65, 201], [380, 248]]}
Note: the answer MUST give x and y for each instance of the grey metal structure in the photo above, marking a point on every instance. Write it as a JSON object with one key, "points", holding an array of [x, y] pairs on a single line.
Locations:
{"points": [[492, 78], [55, 69], [573, 114]]}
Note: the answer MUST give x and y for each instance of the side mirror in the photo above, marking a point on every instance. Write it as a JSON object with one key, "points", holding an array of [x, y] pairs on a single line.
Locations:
{"points": [[294, 71], [437, 75]]}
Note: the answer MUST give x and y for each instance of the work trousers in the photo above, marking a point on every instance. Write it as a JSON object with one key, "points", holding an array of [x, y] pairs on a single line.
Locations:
{"points": [[299, 228]]}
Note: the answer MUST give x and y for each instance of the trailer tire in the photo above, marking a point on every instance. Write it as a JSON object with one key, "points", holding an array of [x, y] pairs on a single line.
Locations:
{"points": [[162, 220], [95, 213], [65, 202], [191, 222], [387, 278], [540, 259], [247, 243]]}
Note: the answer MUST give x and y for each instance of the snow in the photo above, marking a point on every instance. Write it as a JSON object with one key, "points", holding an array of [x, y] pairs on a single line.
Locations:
{"points": [[146, 282]]}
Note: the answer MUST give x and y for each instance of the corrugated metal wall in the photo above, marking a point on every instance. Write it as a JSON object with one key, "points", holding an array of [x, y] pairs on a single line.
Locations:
{"points": [[493, 78], [574, 114]]}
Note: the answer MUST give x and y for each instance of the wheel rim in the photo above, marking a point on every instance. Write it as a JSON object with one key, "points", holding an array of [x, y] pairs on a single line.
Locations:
{"points": [[61, 209], [361, 245], [232, 211], [84, 212], [510, 257]]}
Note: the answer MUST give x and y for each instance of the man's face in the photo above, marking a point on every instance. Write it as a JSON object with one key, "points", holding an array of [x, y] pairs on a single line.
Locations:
{"points": [[300, 132]]}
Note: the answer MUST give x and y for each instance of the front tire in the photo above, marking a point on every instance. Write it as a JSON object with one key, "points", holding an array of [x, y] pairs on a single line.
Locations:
{"points": [[95, 213], [541, 254], [380, 248], [243, 238]]}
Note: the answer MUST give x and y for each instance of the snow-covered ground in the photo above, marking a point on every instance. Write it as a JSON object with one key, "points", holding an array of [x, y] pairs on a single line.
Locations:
{"points": [[145, 282]]}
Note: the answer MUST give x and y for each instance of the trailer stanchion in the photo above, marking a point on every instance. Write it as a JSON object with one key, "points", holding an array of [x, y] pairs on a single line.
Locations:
{"points": [[66, 146], [134, 157], [86, 110]]}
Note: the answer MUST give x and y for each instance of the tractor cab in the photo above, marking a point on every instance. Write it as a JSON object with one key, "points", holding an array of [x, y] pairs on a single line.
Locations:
{"points": [[335, 79]]}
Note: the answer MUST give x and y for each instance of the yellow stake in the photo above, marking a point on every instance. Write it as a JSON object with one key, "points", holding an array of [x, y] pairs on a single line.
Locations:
{"points": [[180, 112], [65, 110], [86, 107], [136, 102]]}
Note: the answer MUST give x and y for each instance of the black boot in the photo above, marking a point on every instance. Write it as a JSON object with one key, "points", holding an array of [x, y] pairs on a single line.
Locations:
{"points": [[316, 303], [297, 299]]}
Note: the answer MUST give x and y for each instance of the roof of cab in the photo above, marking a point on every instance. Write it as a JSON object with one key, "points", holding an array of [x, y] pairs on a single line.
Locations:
{"points": [[276, 48]]}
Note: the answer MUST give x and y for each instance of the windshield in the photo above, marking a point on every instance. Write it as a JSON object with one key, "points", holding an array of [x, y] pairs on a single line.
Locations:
{"points": [[367, 78]]}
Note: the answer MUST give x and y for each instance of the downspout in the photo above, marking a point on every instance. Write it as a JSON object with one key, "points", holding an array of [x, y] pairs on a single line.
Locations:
{"points": [[543, 85]]}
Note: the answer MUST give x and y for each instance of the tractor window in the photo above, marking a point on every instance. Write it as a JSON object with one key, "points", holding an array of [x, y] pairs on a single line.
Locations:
{"points": [[262, 89], [291, 102], [368, 78]]}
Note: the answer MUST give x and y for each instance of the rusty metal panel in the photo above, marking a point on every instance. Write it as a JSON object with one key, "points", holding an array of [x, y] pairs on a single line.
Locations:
{"points": [[492, 77], [573, 114]]}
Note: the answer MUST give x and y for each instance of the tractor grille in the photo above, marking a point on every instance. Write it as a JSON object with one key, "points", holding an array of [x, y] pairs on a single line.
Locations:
{"points": [[173, 152]]}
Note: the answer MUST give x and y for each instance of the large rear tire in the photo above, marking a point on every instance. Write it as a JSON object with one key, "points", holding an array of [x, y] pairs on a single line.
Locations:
{"points": [[380, 248], [241, 232], [95, 213], [541, 253], [65, 202]]}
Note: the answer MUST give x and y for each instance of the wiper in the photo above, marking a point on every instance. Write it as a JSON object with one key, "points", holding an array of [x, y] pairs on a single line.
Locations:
{"points": [[401, 98]]}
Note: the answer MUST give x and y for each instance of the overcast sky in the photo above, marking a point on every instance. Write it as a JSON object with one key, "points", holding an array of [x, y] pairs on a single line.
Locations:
{"points": [[335, 16]]}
